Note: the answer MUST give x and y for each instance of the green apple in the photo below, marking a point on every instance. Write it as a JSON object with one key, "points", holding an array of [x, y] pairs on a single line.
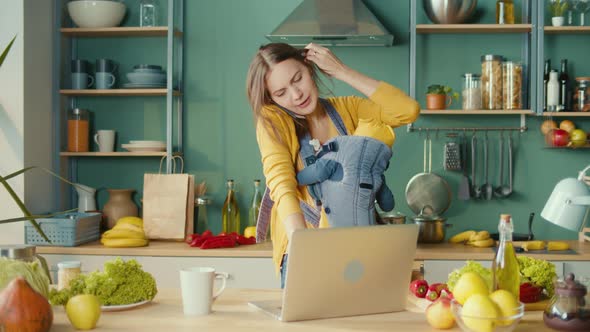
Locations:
{"points": [[83, 311], [578, 137]]}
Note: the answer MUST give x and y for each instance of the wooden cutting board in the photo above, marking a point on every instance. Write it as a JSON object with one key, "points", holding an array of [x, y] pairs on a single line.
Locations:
{"points": [[536, 306]]}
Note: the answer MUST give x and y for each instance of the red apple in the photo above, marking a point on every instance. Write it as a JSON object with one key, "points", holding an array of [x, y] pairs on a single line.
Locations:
{"points": [[557, 137], [439, 314]]}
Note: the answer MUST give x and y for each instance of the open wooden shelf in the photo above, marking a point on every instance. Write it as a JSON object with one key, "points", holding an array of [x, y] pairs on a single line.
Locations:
{"points": [[477, 112], [119, 32], [587, 146], [116, 154], [567, 30], [473, 28], [117, 92], [581, 114]]}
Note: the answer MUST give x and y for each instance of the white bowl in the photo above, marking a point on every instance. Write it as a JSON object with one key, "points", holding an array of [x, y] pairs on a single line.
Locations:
{"points": [[96, 13], [146, 78]]}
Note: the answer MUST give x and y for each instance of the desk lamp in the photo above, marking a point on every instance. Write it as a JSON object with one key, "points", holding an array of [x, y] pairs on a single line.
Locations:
{"points": [[567, 205]]}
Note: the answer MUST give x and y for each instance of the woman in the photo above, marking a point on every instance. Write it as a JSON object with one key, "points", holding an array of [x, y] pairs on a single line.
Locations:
{"points": [[282, 88]]}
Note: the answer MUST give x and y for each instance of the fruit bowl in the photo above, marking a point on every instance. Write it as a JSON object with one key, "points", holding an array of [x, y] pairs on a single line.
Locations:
{"points": [[481, 324], [96, 14]]}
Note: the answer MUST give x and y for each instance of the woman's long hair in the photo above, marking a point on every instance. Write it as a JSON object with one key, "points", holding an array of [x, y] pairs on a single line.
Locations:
{"points": [[267, 56]]}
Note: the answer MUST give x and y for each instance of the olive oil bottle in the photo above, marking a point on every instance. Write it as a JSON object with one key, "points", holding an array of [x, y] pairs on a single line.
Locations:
{"points": [[505, 270], [231, 212]]}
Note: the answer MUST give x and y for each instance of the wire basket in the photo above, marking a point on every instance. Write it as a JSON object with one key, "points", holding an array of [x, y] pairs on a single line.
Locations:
{"points": [[67, 230]]}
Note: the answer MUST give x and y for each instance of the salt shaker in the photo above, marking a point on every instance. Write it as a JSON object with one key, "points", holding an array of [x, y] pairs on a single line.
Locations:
{"points": [[148, 13]]}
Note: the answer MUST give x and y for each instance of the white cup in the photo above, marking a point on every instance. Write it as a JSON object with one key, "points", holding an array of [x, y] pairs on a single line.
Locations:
{"points": [[196, 285], [105, 139]]}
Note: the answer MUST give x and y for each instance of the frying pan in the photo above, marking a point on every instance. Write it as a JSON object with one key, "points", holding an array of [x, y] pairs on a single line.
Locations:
{"points": [[428, 189], [519, 236]]}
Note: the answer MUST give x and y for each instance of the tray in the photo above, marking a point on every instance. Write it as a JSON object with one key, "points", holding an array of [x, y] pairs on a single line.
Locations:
{"points": [[67, 230]]}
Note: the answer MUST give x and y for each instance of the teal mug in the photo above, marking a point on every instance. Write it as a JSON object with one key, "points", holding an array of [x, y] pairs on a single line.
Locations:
{"points": [[104, 80], [81, 81]]}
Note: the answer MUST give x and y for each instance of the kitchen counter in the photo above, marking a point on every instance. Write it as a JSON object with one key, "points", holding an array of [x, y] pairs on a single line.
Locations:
{"points": [[231, 313], [441, 251]]}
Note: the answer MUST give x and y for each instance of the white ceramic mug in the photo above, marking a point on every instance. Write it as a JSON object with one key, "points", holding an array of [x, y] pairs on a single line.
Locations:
{"points": [[196, 285], [105, 139]]}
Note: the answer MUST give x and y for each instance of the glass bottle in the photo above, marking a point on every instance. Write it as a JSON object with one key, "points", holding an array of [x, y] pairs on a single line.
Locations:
{"points": [[505, 11], [78, 134], [471, 93], [148, 13], [581, 96], [202, 219], [505, 269], [563, 87], [552, 92], [255, 204], [231, 212], [545, 81]]}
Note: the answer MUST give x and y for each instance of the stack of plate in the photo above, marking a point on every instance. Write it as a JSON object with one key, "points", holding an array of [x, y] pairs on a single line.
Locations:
{"points": [[146, 76], [145, 146]]}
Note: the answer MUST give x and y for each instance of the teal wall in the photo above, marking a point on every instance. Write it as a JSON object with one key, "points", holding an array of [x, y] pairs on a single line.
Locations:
{"points": [[221, 37]]}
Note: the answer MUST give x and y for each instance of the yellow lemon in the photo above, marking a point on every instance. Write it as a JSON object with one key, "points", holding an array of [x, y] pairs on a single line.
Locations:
{"points": [[250, 231], [507, 304], [479, 313], [470, 283]]}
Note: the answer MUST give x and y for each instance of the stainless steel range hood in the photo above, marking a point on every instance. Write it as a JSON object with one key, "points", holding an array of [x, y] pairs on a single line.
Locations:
{"points": [[332, 23]]}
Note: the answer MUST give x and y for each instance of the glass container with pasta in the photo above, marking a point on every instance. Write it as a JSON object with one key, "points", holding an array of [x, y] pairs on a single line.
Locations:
{"points": [[491, 82], [512, 85]]}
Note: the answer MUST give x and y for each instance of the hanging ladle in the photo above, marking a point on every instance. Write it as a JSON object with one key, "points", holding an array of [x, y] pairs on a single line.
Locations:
{"points": [[476, 189], [501, 191], [486, 188]]}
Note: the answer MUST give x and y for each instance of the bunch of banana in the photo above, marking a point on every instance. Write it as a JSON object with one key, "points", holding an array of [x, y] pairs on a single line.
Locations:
{"points": [[479, 239], [127, 232], [533, 245], [557, 245]]}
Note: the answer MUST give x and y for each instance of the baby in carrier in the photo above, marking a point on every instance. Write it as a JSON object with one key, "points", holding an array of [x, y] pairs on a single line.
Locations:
{"points": [[345, 175]]}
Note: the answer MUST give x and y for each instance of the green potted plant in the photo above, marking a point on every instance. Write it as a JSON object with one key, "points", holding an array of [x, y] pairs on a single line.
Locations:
{"points": [[557, 8], [439, 97]]}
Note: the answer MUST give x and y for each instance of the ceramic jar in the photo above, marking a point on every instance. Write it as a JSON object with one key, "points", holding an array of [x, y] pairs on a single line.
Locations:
{"points": [[119, 205]]}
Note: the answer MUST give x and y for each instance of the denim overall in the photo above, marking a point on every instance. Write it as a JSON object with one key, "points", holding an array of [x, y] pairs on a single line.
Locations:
{"points": [[348, 195]]}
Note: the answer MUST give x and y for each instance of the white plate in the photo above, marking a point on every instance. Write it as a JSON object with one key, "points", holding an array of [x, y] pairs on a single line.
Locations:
{"points": [[136, 148], [147, 142], [107, 308]]}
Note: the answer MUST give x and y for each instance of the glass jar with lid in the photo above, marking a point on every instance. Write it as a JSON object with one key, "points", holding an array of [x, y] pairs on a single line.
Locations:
{"points": [[581, 98], [67, 271], [512, 85], [491, 82], [471, 92], [568, 309], [78, 130]]}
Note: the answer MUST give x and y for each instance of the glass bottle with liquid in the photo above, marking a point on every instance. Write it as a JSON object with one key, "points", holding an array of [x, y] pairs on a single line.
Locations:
{"points": [[255, 204], [505, 270], [505, 11], [231, 212], [78, 127]]}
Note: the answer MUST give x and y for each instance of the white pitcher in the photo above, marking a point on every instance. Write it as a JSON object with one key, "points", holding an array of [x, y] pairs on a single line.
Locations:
{"points": [[86, 200]]}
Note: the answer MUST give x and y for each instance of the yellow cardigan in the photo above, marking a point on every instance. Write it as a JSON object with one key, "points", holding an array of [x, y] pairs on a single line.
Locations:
{"points": [[280, 158]]}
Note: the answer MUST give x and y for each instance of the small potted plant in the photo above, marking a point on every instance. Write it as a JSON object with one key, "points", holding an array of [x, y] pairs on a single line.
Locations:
{"points": [[557, 8], [439, 97]]}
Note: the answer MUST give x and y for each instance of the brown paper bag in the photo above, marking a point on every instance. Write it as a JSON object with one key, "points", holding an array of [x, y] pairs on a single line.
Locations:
{"points": [[168, 205]]}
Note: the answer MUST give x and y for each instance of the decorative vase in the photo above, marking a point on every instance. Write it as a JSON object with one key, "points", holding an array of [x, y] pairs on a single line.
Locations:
{"points": [[438, 101], [119, 205], [557, 21]]}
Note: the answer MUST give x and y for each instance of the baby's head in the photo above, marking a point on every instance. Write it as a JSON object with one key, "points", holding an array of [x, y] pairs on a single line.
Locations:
{"points": [[375, 129]]}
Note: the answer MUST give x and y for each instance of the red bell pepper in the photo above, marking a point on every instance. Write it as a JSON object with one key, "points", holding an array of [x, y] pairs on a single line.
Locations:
{"points": [[197, 239], [434, 291], [218, 242], [419, 288], [530, 293]]}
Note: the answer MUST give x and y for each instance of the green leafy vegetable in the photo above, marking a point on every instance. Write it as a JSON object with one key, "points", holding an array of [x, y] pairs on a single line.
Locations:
{"points": [[120, 283], [538, 272], [31, 271], [470, 266]]}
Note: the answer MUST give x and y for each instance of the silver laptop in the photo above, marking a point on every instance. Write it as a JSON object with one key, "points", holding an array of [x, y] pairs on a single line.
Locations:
{"points": [[347, 271]]}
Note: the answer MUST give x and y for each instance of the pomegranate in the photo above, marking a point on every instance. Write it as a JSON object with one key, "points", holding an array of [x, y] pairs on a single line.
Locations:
{"points": [[23, 309]]}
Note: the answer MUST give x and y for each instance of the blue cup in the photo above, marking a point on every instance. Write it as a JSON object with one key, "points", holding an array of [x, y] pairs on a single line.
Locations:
{"points": [[104, 80], [81, 81]]}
